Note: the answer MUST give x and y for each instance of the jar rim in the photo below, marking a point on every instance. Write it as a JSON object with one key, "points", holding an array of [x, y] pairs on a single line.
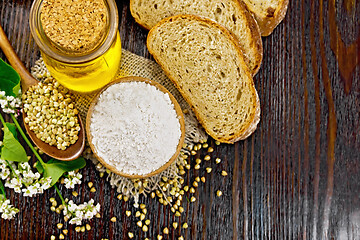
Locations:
{"points": [[44, 44]]}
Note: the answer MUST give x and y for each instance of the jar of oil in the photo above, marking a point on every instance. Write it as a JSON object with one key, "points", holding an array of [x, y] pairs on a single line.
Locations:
{"points": [[79, 41]]}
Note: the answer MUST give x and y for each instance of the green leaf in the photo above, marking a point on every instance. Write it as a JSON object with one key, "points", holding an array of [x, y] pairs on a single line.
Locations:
{"points": [[55, 168], [12, 129], [39, 167], [9, 79], [2, 189], [12, 149]]}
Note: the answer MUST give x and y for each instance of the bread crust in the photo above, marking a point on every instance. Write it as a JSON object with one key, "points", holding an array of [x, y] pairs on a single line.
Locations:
{"points": [[141, 23], [256, 37], [247, 129], [253, 124], [251, 23], [267, 23]]}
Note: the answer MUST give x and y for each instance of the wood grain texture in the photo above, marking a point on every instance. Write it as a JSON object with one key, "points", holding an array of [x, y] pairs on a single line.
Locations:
{"points": [[296, 177]]}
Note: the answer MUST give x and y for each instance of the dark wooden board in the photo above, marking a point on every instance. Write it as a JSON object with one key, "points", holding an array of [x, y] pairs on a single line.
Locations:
{"points": [[296, 177]]}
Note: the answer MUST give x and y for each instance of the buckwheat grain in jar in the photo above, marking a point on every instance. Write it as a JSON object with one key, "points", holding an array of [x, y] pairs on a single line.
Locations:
{"points": [[79, 41]]}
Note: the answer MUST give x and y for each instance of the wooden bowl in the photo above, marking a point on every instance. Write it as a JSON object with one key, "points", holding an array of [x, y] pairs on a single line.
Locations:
{"points": [[178, 112]]}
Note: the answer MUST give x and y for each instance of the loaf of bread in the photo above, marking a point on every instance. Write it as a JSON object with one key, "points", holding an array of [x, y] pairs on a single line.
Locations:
{"points": [[232, 14], [204, 61], [268, 13]]}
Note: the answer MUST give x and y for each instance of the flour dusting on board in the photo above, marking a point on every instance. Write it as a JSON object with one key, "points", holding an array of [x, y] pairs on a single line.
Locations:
{"points": [[139, 126]]}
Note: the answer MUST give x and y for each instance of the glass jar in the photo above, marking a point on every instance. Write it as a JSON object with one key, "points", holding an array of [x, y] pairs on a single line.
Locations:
{"points": [[80, 70]]}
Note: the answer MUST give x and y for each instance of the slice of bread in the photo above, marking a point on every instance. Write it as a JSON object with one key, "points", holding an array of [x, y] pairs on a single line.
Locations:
{"points": [[229, 13], [268, 13], [204, 61]]}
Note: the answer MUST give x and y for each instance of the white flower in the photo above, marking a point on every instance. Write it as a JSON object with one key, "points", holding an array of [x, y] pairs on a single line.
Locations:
{"points": [[71, 206], [9, 104], [7, 210], [15, 184], [72, 179], [37, 175], [77, 213], [24, 180], [25, 166], [88, 215], [4, 170], [46, 183], [76, 221], [30, 191]]}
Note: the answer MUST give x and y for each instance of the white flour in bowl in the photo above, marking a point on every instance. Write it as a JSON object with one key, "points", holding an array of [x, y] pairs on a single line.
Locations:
{"points": [[134, 127]]}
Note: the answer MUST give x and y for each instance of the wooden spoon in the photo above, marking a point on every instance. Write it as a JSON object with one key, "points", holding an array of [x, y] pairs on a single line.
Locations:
{"points": [[74, 150]]}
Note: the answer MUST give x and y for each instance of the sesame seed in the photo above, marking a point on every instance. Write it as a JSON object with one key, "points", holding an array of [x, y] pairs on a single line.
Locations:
{"points": [[88, 227], [139, 223], [175, 225], [224, 173]]}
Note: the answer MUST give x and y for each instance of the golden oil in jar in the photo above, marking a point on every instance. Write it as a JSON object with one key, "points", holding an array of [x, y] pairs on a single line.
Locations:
{"points": [[87, 76], [81, 45]]}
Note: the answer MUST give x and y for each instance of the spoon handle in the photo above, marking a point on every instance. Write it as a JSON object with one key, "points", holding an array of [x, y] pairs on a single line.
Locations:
{"points": [[26, 79]]}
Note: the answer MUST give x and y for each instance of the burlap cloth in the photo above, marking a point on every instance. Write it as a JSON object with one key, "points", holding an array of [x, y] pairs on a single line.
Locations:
{"points": [[134, 65]]}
